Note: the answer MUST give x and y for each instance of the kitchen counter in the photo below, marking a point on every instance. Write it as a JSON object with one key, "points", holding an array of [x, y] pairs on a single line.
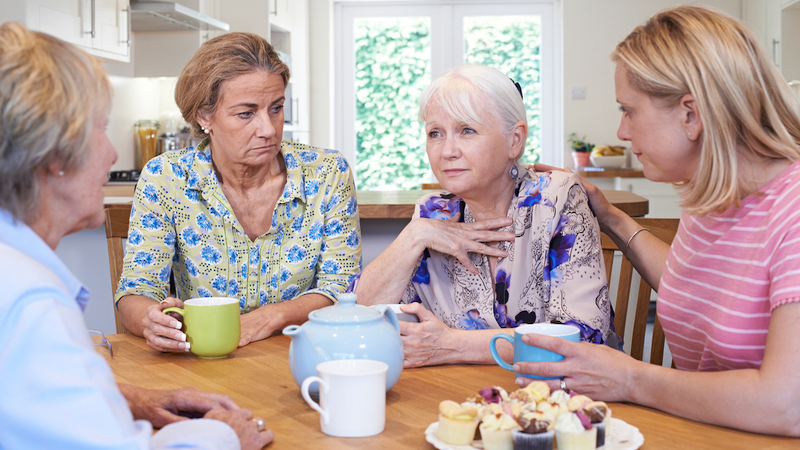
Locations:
{"points": [[599, 172], [397, 204]]}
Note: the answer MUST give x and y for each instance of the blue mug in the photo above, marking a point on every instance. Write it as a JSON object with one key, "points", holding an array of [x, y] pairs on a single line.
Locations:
{"points": [[529, 353]]}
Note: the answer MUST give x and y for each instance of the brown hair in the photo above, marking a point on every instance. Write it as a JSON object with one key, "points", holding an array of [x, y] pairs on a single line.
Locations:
{"points": [[50, 94], [741, 96], [220, 59]]}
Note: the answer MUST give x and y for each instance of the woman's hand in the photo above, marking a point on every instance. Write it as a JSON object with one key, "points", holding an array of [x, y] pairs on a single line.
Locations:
{"points": [[274, 317], [241, 420], [459, 239], [428, 342], [164, 407], [600, 205], [163, 331], [597, 371]]}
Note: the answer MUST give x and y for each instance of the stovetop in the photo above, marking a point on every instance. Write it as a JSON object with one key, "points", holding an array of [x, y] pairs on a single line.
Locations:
{"points": [[124, 175]]}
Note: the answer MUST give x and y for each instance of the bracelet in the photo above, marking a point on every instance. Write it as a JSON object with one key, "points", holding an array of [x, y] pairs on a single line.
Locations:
{"points": [[631, 238]]}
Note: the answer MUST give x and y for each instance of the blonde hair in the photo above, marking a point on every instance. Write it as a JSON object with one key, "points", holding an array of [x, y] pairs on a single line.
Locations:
{"points": [[741, 96], [220, 59], [50, 94], [465, 91]]}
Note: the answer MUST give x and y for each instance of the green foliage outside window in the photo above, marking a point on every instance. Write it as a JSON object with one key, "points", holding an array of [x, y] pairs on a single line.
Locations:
{"points": [[511, 45], [392, 70]]}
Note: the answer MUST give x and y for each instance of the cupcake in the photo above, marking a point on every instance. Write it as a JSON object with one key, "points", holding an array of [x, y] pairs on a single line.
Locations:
{"points": [[533, 434], [574, 431], [457, 423], [598, 414], [496, 431]]}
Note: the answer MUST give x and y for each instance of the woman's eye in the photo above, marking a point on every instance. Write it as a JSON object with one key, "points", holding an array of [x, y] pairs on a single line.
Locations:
{"points": [[245, 115], [433, 134], [468, 130], [276, 109]]}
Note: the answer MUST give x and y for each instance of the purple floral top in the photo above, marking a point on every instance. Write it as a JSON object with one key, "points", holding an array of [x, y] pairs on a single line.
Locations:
{"points": [[554, 271]]}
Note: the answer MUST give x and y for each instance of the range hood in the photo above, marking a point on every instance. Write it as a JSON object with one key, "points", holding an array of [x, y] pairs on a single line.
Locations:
{"points": [[162, 16]]}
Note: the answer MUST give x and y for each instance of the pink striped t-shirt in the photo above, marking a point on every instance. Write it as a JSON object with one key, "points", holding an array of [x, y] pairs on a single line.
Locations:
{"points": [[726, 273]]}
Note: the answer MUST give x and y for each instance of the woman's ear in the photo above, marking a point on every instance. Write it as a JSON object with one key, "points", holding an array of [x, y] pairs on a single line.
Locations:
{"points": [[690, 114], [202, 118], [518, 139]]}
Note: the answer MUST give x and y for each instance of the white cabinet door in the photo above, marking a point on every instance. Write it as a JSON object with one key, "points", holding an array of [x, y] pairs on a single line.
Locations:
{"points": [[111, 28], [98, 26], [61, 18]]}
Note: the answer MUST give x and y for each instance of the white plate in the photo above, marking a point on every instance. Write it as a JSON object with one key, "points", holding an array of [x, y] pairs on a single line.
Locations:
{"points": [[620, 435]]}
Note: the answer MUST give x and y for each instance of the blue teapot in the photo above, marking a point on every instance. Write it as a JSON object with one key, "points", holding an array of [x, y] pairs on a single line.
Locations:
{"points": [[345, 331]]}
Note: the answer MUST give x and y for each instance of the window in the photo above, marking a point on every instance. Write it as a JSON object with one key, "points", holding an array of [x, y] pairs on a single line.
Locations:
{"points": [[391, 50]]}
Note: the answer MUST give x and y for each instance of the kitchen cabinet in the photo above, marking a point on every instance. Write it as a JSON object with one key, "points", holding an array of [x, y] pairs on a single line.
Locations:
{"points": [[101, 27], [764, 17], [289, 33]]}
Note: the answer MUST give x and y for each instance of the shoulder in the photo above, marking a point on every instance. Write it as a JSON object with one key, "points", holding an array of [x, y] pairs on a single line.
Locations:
{"points": [[438, 205], [552, 181], [22, 274], [301, 156], [176, 164]]}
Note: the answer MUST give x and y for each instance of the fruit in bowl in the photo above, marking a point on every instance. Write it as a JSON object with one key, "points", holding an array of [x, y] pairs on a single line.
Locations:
{"points": [[608, 156]]}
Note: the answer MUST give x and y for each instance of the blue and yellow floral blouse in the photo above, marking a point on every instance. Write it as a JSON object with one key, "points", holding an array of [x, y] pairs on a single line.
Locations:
{"points": [[554, 271], [182, 223]]}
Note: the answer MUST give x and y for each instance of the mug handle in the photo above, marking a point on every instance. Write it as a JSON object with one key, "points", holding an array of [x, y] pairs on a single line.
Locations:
{"points": [[304, 390], [495, 355], [174, 309]]}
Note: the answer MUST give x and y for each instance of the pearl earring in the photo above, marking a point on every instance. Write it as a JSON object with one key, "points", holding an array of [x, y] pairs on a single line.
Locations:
{"points": [[205, 130], [689, 134], [61, 173]]}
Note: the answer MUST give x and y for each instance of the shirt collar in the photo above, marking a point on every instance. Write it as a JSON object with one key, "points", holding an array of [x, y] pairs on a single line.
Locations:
{"points": [[199, 165], [18, 235]]}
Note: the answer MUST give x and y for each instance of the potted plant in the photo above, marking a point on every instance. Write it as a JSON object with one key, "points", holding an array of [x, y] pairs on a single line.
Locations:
{"points": [[580, 150]]}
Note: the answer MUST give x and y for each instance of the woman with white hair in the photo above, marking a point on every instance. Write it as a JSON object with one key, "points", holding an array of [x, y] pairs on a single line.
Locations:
{"points": [[504, 247], [57, 391]]}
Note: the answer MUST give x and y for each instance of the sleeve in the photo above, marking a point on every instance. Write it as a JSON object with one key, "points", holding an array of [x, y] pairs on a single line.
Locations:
{"points": [[784, 260], [151, 242], [575, 268], [58, 392], [340, 261]]}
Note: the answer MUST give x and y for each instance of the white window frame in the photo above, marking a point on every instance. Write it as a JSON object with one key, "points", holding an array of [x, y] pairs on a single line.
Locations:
{"points": [[551, 49]]}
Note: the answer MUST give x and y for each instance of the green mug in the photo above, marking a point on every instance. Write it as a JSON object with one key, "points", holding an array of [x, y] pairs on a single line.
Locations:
{"points": [[211, 324]]}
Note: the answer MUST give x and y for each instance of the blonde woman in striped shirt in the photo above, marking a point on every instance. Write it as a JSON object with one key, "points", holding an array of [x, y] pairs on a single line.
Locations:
{"points": [[705, 109]]}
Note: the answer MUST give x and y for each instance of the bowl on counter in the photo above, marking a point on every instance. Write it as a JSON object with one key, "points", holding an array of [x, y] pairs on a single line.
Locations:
{"points": [[608, 162]]}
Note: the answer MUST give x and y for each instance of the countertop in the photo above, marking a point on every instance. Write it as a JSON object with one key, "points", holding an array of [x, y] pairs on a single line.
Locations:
{"points": [[395, 204]]}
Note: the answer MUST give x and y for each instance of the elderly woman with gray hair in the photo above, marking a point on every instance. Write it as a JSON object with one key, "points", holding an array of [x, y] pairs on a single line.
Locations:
{"points": [[57, 391], [504, 247]]}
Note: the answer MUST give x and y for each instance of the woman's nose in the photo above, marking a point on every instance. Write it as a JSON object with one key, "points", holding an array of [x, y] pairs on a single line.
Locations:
{"points": [[450, 149], [265, 125], [623, 132]]}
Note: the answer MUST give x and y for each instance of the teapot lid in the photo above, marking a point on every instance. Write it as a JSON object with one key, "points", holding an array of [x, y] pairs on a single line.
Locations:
{"points": [[345, 311]]}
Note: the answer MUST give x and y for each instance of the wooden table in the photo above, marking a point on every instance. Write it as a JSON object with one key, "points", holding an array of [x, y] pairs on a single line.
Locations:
{"points": [[400, 204], [257, 377]]}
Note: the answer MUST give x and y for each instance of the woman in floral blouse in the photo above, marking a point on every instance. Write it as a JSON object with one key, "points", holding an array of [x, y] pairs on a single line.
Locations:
{"points": [[505, 247], [246, 215]]}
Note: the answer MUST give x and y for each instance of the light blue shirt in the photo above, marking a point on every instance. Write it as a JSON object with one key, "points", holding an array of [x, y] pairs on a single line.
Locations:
{"points": [[56, 391]]}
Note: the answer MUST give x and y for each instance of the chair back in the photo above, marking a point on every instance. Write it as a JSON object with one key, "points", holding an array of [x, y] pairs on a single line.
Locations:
{"points": [[117, 217], [665, 230]]}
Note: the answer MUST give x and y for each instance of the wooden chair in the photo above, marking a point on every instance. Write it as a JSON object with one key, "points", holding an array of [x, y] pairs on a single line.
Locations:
{"points": [[665, 230], [117, 217], [431, 186]]}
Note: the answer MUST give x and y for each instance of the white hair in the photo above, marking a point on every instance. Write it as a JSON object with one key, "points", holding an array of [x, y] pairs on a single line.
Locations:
{"points": [[472, 93]]}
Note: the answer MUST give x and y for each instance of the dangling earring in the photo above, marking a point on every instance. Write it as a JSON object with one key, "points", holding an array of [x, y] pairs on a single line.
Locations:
{"points": [[513, 172]]}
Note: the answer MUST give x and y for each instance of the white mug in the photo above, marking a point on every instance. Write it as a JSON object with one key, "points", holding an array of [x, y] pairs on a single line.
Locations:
{"points": [[352, 397]]}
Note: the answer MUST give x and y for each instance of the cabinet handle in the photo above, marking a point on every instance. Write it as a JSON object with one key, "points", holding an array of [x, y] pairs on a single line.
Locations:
{"points": [[776, 52], [295, 110], [275, 9], [128, 40], [93, 30]]}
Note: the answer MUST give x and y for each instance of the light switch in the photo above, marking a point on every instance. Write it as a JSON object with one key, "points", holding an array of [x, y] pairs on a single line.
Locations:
{"points": [[578, 92]]}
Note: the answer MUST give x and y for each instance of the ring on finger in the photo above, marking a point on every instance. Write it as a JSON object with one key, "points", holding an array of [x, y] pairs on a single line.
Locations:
{"points": [[261, 425], [563, 384]]}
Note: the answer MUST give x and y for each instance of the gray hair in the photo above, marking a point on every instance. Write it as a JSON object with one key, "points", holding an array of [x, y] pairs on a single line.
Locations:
{"points": [[50, 93], [465, 91]]}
